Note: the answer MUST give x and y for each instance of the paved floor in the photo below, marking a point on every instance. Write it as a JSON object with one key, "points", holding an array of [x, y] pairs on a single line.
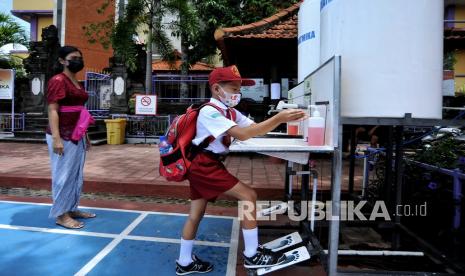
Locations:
{"points": [[133, 170], [117, 242], [120, 241], [127, 239]]}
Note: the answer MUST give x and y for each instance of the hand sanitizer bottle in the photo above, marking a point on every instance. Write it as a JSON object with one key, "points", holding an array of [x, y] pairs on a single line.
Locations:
{"points": [[316, 129]]}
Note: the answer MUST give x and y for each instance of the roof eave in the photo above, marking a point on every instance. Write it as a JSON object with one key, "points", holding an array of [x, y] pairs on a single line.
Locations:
{"points": [[26, 15], [264, 23]]}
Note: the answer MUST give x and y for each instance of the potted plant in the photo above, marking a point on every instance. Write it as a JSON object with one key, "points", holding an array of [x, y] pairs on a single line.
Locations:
{"points": [[448, 74], [449, 62]]}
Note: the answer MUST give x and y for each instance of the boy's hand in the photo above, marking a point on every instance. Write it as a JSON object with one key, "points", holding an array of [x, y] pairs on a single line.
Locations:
{"points": [[288, 115]]}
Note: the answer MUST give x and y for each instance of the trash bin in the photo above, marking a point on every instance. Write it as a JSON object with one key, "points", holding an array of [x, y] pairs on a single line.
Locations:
{"points": [[116, 129]]}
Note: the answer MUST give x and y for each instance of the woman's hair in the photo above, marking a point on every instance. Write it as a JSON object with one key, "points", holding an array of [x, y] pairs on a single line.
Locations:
{"points": [[62, 53]]}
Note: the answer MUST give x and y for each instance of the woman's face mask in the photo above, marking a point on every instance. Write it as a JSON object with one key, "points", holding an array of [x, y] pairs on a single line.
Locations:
{"points": [[75, 65], [230, 99]]}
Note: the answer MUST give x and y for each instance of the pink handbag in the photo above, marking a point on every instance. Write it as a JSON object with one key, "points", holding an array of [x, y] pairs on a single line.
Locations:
{"points": [[85, 119]]}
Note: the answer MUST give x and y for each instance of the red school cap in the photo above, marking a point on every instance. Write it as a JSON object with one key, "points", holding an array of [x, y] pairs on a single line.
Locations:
{"points": [[230, 73]]}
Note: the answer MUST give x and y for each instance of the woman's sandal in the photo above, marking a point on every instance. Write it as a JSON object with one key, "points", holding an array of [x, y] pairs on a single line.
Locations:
{"points": [[81, 214], [70, 223]]}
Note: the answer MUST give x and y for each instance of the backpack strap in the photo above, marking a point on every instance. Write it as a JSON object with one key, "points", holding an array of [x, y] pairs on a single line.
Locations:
{"points": [[233, 113], [210, 138]]}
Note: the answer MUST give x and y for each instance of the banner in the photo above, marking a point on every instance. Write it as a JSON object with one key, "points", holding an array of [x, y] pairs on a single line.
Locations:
{"points": [[7, 81], [105, 100]]}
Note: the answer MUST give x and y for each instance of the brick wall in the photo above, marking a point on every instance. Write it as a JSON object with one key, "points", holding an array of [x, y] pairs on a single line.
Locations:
{"points": [[78, 14]]}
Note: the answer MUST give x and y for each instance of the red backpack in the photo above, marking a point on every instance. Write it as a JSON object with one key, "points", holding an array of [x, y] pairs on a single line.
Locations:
{"points": [[175, 164]]}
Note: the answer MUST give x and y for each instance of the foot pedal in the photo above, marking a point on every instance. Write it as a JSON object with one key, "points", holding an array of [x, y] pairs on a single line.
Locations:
{"points": [[282, 207], [293, 257], [284, 242]]}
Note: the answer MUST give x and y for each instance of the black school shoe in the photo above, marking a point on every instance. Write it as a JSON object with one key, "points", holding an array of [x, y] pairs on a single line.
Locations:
{"points": [[263, 258], [197, 266]]}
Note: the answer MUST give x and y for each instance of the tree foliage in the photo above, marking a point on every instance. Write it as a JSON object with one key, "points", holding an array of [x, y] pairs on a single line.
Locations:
{"points": [[195, 23], [13, 62], [228, 13], [444, 153], [11, 31], [121, 36]]}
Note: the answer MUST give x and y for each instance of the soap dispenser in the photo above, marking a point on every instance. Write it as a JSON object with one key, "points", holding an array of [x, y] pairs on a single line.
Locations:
{"points": [[316, 129]]}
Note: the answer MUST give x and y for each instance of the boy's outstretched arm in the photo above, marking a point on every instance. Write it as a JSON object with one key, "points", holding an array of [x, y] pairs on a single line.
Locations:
{"points": [[268, 125]]}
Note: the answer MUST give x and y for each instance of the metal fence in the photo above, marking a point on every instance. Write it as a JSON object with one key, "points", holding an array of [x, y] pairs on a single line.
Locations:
{"points": [[457, 180], [185, 100], [144, 126], [167, 87], [6, 122], [373, 176], [99, 86]]}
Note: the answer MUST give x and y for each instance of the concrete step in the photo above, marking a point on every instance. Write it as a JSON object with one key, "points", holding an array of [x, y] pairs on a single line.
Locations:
{"points": [[95, 132], [23, 140], [126, 186], [96, 135], [38, 119], [98, 142], [94, 142], [35, 123], [30, 134], [36, 115], [35, 127]]}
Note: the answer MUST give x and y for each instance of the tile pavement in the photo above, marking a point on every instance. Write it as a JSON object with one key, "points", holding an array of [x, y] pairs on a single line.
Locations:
{"points": [[133, 170]]}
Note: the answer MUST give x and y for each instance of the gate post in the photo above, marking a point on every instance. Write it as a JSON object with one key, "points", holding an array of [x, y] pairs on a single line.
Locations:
{"points": [[119, 95]]}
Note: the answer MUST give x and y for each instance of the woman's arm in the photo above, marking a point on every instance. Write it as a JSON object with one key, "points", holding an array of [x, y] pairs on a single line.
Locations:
{"points": [[53, 121]]}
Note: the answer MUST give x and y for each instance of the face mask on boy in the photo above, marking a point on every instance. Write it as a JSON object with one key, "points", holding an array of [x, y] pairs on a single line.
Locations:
{"points": [[230, 99]]}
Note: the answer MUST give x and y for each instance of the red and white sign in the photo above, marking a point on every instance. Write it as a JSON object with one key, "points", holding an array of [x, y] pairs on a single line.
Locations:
{"points": [[146, 104]]}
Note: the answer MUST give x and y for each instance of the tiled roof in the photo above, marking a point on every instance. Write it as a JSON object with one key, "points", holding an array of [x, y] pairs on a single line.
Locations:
{"points": [[161, 65], [454, 33], [280, 25], [284, 25]]}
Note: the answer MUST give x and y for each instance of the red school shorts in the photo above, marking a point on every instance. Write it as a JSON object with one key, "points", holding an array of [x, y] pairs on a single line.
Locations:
{"points": [[208, 177]]}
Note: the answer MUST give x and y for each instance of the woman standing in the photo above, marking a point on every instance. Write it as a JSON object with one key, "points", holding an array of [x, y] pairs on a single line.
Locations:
{"points": [[66, 138]]}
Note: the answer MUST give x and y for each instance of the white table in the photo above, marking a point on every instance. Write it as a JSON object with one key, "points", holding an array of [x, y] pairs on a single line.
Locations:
{"points": [[290, 149], [293, 150]]}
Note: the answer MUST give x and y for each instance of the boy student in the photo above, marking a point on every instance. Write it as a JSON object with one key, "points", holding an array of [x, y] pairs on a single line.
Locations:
{"points": [[208, 176]]}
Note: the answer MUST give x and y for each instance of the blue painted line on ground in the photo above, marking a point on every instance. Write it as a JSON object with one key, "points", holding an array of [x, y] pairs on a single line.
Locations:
{"points": [[26, 252], [110, 222]]}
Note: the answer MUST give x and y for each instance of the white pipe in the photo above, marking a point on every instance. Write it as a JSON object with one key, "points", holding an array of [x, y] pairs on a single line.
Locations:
{"points": [[453, 108], [378, 253], [312, 215], [290, 167], [365, 176]]}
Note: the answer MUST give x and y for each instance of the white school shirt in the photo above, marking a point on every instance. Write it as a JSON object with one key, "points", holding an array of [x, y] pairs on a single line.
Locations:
{"points": [[212, 122]]}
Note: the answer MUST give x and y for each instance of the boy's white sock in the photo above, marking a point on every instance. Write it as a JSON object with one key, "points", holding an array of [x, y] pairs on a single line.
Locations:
{"points": [[250, 241], [185, 254]]}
